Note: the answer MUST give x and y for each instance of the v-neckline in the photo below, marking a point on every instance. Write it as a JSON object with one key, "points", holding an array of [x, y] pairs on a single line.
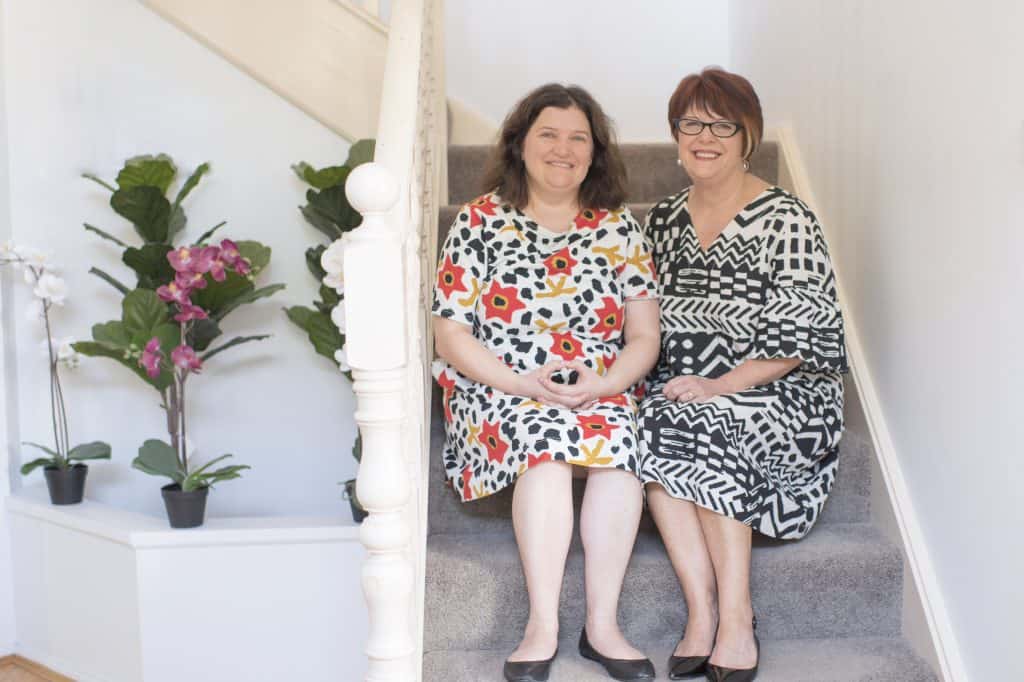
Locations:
{"points": [[693, 228]]}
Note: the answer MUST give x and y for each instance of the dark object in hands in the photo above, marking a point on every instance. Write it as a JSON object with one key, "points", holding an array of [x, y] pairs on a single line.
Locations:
{"points": [[567, 377]]}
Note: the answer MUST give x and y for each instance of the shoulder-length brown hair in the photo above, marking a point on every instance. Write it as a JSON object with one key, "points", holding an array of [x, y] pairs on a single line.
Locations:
{"points": [[605, 184], [726, 94]]}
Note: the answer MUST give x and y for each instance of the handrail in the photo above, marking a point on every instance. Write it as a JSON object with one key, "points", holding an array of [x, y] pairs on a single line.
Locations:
{"points": [[385, 263]]}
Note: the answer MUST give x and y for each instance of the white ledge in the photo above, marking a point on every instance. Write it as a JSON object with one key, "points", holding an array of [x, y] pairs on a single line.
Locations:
{"points": [[141, 531]]}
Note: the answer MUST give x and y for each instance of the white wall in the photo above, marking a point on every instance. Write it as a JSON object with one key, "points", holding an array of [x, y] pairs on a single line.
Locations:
{"points": [[8, 417], [631, 61], [87, 85], [909, 116]]}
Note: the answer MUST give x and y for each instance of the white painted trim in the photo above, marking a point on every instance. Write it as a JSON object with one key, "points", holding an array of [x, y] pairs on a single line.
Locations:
{"points": [[370, 14], [140, 531], [915, 548]]}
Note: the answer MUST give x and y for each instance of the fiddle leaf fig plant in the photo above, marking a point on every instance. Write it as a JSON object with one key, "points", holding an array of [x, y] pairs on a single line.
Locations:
{"points": [[327, 209]]}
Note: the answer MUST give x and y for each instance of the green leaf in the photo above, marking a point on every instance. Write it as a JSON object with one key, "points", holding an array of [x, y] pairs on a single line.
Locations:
{"points": [[329, 298], [323, 334], [95, 450], [110, 279], [105, 235], [29, 467], [153, 171], [313, 255], [112, 333], [209, 464], [202, 334], [357, 447], [248, 297], [176, 223], [333, 205], [146, 208], [361, 152], [325, 177], [98, 181], [320, 222], [150, 264], [207, 480], [95, 349], [237, 341], [191, 183], [157, 458], [217, 295], [209, 233], [42, 447], [143, 311], [257, 254]]}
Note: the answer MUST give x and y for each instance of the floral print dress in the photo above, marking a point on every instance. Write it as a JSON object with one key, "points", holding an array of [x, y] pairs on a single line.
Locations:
{"points": [[533, 296]]}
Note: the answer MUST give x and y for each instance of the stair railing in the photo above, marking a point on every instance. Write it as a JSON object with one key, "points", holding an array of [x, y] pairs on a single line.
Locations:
{"points": [[386, 265]]}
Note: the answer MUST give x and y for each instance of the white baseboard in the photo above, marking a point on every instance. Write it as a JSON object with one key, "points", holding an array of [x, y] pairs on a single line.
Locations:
{"points": [[918, 558]]}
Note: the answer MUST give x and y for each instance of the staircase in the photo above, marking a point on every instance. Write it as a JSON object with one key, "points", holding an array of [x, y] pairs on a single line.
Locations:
{"points": [[828, 606]]}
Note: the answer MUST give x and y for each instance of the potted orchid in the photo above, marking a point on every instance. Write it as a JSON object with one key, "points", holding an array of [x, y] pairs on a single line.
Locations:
{"points": [[63, 468], [170, 320], [327, 209]]}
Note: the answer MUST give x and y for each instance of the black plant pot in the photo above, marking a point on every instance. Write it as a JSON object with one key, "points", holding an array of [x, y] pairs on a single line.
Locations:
{"points": [[358, 513], [184, 510], [66, 486]]}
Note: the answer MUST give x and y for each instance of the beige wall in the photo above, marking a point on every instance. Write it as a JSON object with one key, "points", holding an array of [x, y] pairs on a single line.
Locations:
{"points": [[910, 117]]}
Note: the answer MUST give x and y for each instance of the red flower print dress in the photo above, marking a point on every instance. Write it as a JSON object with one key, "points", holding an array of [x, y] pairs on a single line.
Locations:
{"points": [[533, 296]]}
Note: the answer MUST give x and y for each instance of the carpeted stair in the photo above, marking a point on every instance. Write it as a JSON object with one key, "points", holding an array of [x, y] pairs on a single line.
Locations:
{"points": [[828, 606]]}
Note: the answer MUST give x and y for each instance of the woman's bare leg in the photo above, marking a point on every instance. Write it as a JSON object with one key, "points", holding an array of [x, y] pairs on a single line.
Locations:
{"points": [[728, 543], [542, 517], [680, 529], [611, 510]]}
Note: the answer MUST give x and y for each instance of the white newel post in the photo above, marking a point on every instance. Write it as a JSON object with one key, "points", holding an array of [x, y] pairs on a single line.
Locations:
{"points": [[376, 349]]}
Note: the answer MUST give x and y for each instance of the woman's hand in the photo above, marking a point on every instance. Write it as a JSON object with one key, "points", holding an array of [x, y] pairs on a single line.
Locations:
{"points": [[537, 385], [690, 388], [588, 387]]}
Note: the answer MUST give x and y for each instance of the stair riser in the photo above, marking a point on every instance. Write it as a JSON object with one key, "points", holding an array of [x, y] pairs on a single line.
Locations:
{"points": [[479, 602]]}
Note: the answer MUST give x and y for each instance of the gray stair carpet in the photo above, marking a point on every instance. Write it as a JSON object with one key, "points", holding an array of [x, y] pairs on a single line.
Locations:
{"points": [[828, 606]]}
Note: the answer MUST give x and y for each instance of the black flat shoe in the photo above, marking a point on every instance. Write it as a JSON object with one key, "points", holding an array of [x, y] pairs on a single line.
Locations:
{"points": [[528, 671], [618, 668], [685, 667], [717, 673]]}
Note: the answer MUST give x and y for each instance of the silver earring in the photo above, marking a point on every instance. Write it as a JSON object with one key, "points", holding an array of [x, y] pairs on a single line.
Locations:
{"points": [[679, 162], [746, 165]]}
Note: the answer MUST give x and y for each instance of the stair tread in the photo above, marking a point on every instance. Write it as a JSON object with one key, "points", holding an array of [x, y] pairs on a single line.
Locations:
{"points": [[841, 580], [868, 659]]}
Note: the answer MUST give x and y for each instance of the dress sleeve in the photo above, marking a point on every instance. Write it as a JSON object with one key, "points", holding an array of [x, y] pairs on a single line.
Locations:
{"points": [[461, 271], [637, 275], [801, 317]]}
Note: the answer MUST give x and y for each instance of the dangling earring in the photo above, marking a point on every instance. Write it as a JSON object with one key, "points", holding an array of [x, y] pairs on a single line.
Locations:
{"points": [[679, 162], [746, 165]]}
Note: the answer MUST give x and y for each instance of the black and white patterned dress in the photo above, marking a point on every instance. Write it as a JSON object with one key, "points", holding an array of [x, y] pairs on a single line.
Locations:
{"points": [[764, 289], [533, 296]]}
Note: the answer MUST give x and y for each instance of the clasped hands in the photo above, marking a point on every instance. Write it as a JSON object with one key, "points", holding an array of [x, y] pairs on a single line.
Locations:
{"points": [[586, 390]]}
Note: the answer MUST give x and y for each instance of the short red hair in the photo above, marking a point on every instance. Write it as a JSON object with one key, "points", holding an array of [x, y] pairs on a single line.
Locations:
{"points": [[716, 91]]}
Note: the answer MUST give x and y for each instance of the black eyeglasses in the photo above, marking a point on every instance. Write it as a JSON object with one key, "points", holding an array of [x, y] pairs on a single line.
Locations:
{"points": [[692, 126]]}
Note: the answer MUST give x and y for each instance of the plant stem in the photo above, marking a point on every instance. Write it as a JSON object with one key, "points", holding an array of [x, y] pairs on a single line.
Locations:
{"points": [[53, 372], [172, 413], [184, 439]]}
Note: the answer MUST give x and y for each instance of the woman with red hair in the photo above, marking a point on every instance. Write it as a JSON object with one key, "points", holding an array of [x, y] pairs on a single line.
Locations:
{"points": [[741, 426]]}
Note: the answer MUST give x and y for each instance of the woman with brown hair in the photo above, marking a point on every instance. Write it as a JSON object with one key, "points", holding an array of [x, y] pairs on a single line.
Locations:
{"points": [[743, 420], [545, 317]]}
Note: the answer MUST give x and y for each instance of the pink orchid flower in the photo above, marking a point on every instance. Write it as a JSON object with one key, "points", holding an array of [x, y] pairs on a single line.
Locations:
{"points": [[174, 292], [190, 312], [229, 252], [190, 280], [184, 357], [151, 358], [194, 259], [242, 267], [218, 270]]}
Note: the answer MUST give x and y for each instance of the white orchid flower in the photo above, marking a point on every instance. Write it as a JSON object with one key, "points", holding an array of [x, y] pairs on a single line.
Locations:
{"points": [[51, 288], [338, 316], [341, 357], [8, 251], [64, 349]]}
